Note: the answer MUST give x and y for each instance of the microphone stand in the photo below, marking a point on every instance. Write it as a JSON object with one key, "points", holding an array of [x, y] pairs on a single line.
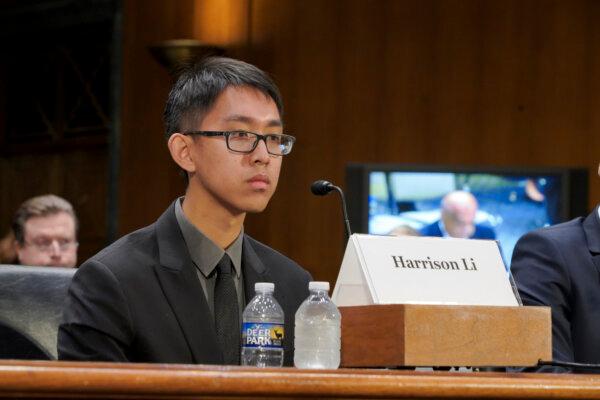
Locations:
{"points": [[344, 210]]}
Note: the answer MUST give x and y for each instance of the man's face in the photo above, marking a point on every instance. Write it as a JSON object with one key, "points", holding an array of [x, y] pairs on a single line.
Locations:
{"points": [[237, 183], [460, 222], [49, 241]]}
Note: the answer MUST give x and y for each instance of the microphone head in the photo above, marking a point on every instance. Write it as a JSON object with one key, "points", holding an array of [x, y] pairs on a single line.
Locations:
{"points": [[321, 187]]}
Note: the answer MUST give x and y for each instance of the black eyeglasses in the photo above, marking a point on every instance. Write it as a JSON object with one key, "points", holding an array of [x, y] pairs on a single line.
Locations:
{"points": [[47, 245], [245, 142]]}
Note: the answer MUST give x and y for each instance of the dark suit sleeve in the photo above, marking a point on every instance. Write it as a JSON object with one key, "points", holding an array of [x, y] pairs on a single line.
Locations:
{"points": [[96, 322], [541, 275], [484, 232], [431, 230]]}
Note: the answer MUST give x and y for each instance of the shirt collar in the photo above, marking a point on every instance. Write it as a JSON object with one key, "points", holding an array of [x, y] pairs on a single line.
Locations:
{"points": [[205, 253]]}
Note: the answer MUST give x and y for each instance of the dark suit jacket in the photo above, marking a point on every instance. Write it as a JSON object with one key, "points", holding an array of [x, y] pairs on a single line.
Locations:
{"points": [[481, 231], [559, 267], [140, 299]]}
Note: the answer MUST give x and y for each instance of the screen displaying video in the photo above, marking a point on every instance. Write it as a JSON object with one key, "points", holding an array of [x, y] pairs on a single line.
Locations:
{"points": [[507, 206]]}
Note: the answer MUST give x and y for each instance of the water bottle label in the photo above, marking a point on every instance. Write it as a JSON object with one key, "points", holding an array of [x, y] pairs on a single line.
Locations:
{"points": [[262, 335]]}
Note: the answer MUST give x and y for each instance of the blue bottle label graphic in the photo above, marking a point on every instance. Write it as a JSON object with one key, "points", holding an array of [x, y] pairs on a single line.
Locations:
{"points": [[262, 335]]}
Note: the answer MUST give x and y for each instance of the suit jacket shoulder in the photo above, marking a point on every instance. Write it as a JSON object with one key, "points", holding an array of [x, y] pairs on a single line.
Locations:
{"points": [[137, 249], [284, 265], [115, 305], [484, 232], [432, 230], [559, 267]]}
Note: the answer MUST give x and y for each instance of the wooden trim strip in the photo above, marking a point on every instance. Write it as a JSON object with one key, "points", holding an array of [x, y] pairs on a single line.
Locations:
{"points": [[95, 380]]}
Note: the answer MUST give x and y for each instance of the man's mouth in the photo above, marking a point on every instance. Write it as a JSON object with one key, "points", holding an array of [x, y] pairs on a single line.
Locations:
{"points": [[259, 182]]}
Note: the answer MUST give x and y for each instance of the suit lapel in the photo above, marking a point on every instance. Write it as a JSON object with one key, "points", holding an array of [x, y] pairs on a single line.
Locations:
{"points": [[591, 226], [253, 269], [177, 276], [256, 271]]}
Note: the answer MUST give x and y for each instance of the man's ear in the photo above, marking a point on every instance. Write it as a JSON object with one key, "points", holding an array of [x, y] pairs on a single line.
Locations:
{"points": [[180, 149]]}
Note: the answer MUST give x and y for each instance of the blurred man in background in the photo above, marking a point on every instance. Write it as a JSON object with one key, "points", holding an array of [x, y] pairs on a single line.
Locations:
{"points": [[45, 231], [458, 210]]}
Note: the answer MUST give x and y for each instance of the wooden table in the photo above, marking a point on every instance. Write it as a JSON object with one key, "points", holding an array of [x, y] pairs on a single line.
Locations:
{"points": [[53, 380]]}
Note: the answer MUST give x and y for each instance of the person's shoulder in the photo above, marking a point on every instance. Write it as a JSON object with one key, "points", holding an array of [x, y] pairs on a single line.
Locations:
{"points": [[432, 229], [270, 256], [484, 232], [132, 250], [553, 242], [561, 234], [267, 252]]}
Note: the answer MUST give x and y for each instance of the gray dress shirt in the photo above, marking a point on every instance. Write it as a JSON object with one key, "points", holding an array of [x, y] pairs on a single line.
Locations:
{"points": [[206, 255]]}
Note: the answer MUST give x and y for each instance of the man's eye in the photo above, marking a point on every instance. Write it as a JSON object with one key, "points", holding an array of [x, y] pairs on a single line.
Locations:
{"points": [[277, 139], [241, 134]]}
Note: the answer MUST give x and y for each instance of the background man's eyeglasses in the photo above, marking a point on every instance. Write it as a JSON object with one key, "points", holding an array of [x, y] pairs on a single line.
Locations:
{"points": [[47, 245], [245, 142]]}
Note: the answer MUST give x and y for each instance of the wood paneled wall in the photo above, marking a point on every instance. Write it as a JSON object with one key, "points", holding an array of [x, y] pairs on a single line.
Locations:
{"points": [[148, 179], [465, 82]]}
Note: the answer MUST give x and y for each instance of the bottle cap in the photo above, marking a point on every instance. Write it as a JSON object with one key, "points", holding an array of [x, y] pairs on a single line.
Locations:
{"points": [[264, 287], [318, 286]]}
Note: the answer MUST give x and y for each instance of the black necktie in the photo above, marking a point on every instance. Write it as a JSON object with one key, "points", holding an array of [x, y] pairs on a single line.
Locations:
{"points": [[227, 319]]}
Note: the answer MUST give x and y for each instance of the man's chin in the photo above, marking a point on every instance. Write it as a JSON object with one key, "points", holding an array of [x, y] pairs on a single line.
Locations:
{"points": [[256, 205], [256, 209]]}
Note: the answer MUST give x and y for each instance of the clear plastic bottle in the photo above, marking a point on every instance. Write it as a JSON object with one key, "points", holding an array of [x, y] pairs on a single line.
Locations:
{"points": [[317, 331], [263, 329]]}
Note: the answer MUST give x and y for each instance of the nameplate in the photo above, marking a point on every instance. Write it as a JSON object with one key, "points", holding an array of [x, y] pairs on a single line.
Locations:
{"points": [[422, 270]]}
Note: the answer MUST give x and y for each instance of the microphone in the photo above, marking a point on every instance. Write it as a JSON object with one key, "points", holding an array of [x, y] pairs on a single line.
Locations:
{"points": [[322, 188]]}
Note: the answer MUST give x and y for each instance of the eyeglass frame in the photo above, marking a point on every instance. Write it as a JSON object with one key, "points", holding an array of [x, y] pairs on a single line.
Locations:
{"points": [[47, 246], [258, 136]]}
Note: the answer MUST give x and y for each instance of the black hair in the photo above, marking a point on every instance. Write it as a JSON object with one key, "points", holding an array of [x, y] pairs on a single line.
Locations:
{"points": [[200, 83]]}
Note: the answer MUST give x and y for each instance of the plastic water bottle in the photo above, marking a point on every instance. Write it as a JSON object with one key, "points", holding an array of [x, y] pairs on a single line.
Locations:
{"points": [[317, 331], [263, 329]]}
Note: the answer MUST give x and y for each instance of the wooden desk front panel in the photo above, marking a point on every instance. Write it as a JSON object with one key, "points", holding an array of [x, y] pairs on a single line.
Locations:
{"points": [[54, 380]]}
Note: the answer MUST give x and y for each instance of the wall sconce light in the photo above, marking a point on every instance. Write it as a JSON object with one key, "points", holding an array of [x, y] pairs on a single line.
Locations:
{"points": [[172, 54]]}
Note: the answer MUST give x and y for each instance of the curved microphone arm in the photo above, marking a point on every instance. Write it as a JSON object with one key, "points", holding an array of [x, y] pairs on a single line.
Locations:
{"points": [[322, 188], [344, 209]]}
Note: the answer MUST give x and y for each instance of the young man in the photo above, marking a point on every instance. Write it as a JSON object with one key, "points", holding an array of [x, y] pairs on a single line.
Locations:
{"points": [[174, 292], [559, 267], [45, 231]]}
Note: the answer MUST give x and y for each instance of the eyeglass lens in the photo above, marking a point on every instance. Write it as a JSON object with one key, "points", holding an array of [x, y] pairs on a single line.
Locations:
{"points": [[47, 245], [247, 141]]}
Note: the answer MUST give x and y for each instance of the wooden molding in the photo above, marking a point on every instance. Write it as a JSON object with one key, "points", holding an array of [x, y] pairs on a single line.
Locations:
{"points": [[53, 380]]}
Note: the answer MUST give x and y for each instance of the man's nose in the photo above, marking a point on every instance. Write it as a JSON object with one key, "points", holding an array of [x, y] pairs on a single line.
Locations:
{"points": [[260, 153], [55, 248]]}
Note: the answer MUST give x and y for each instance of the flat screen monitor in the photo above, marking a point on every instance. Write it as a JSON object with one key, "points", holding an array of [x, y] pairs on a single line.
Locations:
{"points": [[386, 199]]}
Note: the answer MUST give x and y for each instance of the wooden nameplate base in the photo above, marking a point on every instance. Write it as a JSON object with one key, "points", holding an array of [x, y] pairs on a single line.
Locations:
{"points": [[440, 335]]}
